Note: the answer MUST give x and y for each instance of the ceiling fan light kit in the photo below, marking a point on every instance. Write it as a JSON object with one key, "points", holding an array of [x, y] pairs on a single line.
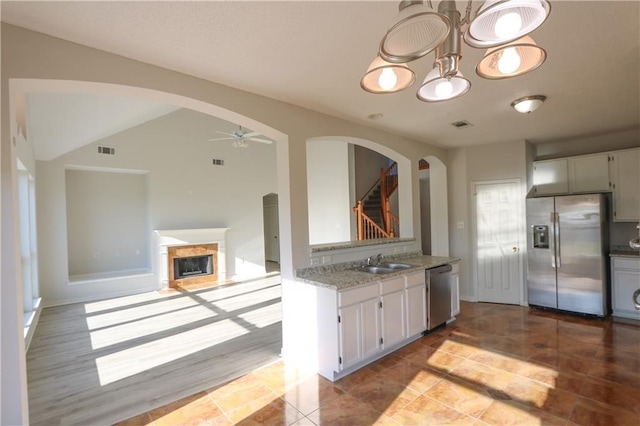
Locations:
{"points": [[240, 138], [501, 26]]}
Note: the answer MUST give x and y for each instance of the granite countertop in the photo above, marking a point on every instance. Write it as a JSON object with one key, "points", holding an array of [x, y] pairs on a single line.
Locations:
{"points": [[341, 276], [625, 253]]}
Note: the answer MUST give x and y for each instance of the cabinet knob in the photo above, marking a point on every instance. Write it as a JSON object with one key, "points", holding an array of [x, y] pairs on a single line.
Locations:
{"points": [[514, 249]]}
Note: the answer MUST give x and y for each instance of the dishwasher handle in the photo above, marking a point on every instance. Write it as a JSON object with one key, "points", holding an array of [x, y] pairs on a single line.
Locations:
{"points": [[440, 270]]}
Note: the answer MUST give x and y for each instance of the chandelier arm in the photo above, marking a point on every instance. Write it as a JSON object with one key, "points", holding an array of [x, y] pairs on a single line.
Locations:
{"points": [[467, 14]]}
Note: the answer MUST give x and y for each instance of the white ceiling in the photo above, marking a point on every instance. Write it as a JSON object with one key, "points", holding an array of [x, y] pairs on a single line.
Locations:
{"points": [[313, 54], [59, 123]]}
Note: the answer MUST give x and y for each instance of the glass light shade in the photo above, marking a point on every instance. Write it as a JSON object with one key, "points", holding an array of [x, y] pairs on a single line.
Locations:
{"points": [[501, 21], [417, 31], [379, 77], [528, 103], [511, 60], [436, 88]]}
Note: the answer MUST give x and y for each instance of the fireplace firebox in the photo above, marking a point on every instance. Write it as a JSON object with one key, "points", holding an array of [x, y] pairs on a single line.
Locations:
{"points": [[192, 266]]}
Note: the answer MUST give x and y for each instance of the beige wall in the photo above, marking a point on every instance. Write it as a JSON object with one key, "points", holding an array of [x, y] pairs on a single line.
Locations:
{"points": [[468, 165]]}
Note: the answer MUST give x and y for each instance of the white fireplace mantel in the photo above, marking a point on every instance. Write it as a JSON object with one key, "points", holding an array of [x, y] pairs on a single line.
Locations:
{"points": [[186, 237]]}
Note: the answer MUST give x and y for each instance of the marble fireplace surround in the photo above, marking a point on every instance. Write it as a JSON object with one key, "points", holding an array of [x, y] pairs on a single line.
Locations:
{"points": [[188, 237]]}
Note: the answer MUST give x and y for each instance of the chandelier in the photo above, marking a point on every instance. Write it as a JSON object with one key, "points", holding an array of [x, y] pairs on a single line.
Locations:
{"points": [[500, 26]]}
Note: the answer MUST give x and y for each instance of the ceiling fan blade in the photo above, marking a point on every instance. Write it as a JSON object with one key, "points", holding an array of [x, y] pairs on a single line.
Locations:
{"points": [[250, 135], [220, 139], [259, 140]]}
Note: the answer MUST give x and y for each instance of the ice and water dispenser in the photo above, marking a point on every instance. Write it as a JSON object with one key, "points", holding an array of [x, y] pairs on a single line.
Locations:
{"points": [[540, 236]]}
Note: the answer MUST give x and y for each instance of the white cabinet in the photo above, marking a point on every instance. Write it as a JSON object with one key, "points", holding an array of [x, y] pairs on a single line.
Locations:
{"points": [[416, 302], [589, 173], [393, 319], [625, 173], [359, 324], [572, 175], [359, 332], [455, 289], [551, 177], [625, 282]]}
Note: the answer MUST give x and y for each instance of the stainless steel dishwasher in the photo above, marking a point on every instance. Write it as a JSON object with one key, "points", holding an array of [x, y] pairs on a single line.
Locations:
{"points": [[438, 296]]}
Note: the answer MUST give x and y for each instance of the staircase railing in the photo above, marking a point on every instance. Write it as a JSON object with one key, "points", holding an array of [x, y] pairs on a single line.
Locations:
{"points": [[388, 184], [366, 227]]}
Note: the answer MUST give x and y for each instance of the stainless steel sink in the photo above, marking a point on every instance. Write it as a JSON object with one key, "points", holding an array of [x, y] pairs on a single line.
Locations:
{"points": [[396, 265], [374, 269]]}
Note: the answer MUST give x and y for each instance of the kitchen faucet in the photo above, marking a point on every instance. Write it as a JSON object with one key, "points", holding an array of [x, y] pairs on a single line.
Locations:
{"points": [[374, 261]]}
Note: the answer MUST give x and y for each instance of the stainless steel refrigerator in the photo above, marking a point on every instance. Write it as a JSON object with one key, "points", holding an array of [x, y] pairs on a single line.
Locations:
{"points": [[567, 244]]}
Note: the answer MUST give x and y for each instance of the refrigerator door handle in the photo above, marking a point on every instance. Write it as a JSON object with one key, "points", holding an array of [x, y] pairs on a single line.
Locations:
{"points": [[558, 242]]}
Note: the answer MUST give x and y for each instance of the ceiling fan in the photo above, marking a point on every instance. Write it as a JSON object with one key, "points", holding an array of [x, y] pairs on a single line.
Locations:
{"points": [[240, 137]]}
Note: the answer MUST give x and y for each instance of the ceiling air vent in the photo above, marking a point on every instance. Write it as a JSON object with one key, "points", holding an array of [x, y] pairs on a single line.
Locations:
{"points": [[217, 162], [108, 150], [461, 124]]}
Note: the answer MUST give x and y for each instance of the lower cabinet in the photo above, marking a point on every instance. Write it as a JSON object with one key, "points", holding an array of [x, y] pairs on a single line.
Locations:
{"points": [[359, 332], [376, 318], [625, 284], [392, 306]]}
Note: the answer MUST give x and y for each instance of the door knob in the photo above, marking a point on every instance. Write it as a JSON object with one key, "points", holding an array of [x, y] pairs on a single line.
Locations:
{"points": [[514, 249]]}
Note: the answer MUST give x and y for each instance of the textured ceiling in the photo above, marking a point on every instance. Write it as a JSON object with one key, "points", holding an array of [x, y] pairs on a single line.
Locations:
{"points": [[313, 54]]}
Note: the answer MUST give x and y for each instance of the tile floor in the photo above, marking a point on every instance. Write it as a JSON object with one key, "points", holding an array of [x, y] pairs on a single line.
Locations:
{"points": [[497, 364]]}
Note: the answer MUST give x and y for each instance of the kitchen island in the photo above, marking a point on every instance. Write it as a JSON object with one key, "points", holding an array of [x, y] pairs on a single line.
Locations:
{"points": [[353, 317]]}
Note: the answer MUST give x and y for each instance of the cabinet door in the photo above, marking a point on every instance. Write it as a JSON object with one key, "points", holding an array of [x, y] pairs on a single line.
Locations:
{"points": [[626, 281], [350, 335], [551, 177], [416, 309], [393, 319], [370, 327], [589, 173], [626, 181]]}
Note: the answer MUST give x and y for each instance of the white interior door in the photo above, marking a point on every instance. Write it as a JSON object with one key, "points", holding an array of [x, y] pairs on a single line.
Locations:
{"points": [[271, 231], [498, 258]]}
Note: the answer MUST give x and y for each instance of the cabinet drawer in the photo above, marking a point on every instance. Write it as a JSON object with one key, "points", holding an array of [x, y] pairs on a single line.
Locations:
{"points": [[356, 295], [391, 285], [628, 264], [415, 279]]}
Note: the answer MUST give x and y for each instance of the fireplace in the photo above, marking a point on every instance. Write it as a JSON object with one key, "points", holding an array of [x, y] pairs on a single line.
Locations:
{"points": [[191, 258], [192, 266]]}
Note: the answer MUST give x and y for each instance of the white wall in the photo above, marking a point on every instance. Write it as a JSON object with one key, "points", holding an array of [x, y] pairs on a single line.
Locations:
{"points": [[328, 191], [107, 222], [467, 165], [185, 190]]}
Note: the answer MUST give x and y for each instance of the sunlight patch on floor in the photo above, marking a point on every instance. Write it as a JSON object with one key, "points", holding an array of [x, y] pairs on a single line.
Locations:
{"points": [[135, 360]]}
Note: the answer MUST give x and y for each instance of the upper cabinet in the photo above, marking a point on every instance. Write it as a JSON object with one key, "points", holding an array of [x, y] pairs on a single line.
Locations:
{"points": [[589, 173], [625, 178], [617, 171], [551, 177]]}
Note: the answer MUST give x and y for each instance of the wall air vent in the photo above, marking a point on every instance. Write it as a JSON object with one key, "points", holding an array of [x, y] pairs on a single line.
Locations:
{"points": [[217, 162], [461, 124], [108, 150]]}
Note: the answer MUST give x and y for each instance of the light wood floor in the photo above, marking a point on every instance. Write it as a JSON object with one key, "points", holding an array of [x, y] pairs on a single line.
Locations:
{"points": [[102, 362]]}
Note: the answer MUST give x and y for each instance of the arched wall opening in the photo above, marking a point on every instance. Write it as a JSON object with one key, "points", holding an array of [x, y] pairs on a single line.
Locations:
{"points": [[342, 171], [19, 87]]}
